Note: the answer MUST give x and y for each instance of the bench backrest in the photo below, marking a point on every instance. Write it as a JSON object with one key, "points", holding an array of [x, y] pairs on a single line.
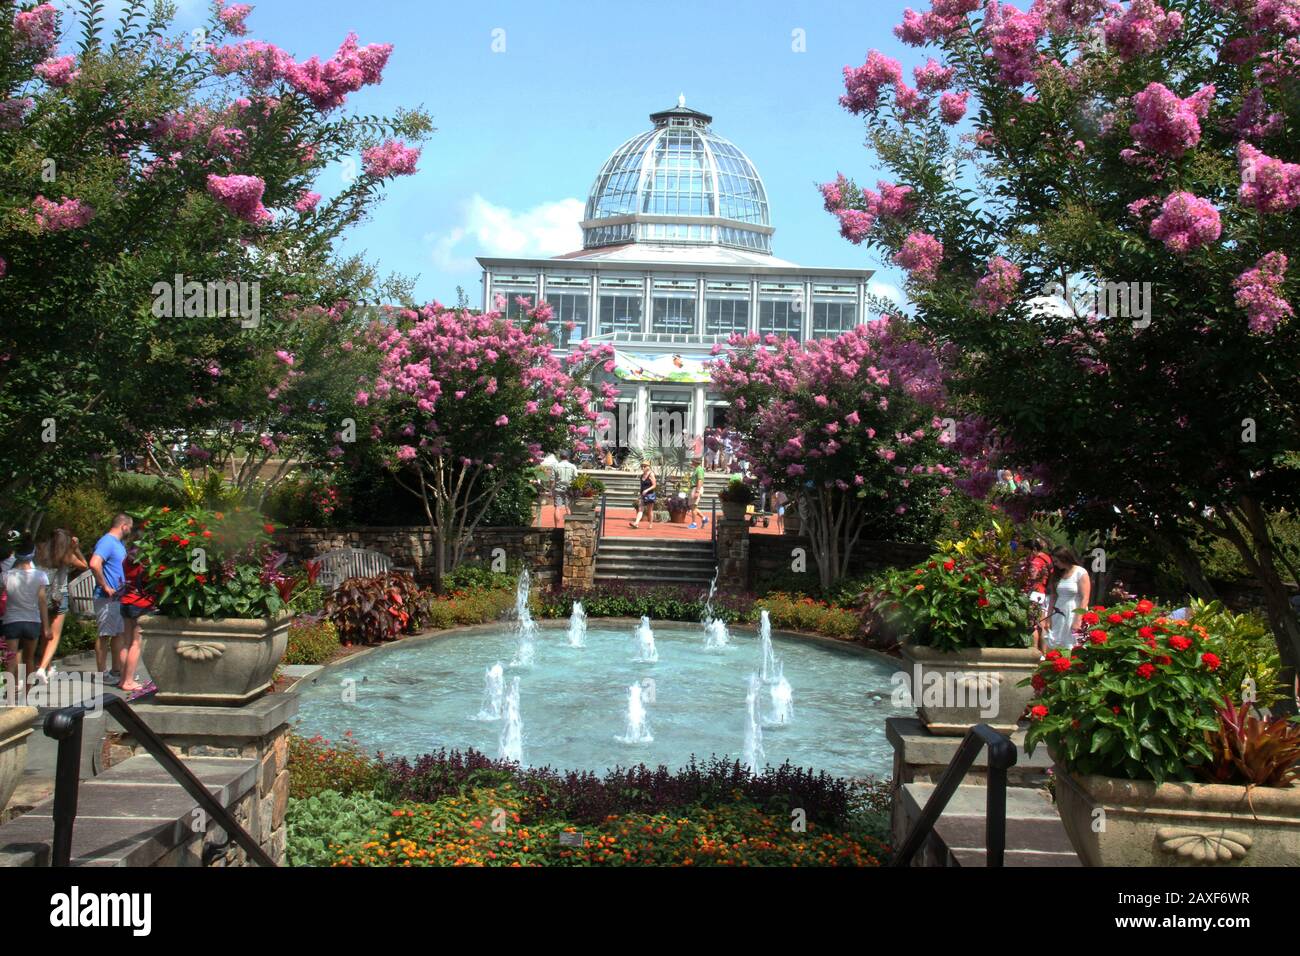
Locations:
{"points": [[81, 595], [337, 566]]}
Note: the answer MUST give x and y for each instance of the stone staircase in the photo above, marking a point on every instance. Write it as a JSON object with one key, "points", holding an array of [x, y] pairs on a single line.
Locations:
{"points": [[647, 561], [622, 487], [1035, 836]]}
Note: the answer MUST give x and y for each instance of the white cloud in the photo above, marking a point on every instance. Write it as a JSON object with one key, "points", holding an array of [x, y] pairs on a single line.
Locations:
{"points": [[488, 229], [886, 290]]}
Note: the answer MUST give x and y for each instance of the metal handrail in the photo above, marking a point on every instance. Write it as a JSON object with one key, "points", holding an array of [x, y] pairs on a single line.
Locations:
{"points": [[1002, 755], [65, 726], [713, 523], [600, 525]]}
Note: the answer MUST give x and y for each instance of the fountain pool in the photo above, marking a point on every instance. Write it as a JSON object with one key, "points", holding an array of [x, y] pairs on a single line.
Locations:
{"points": [[573, 705]]}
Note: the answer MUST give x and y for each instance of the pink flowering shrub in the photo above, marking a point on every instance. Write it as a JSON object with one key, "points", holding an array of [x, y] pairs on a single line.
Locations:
{"points": [[37, 28], [1141, 29], [391, 158], [1267, 184], [59, 71], [863, 84], [60, 216], [233, 17], [920, 255], [1259, 292], [998, 286], [1186, 222], [1166, 124], [241, 195], [952, 106]]}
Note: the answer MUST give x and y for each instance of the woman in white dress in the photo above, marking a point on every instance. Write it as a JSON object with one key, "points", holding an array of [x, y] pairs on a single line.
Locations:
{"points": [[1071, 590]]}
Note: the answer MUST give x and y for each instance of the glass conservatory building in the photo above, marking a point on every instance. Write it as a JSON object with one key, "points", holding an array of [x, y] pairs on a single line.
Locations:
{"points": [[676, 256]]}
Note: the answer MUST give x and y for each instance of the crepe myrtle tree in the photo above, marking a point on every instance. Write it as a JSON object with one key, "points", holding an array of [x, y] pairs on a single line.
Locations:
{"points": [[463, 400], [1096, 204], [160, 224], [851, 425]]}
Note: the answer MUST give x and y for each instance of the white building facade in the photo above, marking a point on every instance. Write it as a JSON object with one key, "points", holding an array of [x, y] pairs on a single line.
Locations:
{"points": [[676, 257]]}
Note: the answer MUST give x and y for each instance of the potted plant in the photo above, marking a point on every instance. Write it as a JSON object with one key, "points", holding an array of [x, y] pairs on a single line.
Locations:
{"points": [[963, 618], [15, 727], [678, 505], [736, 497], [1156, 762], [221, 622], [583, 492]]}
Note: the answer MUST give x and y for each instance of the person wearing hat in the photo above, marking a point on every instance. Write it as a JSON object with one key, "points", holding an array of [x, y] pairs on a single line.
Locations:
{"points": [[26, 617]]}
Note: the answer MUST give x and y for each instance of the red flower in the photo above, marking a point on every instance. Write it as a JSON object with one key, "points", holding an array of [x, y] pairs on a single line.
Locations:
{"points": [[1091, 618], [1127, 615], [201, 578], [1146, 670], [1146, 633], [1114, 619], [1115, 709], [1038, 681], [1179, 643], [1053, 654], [1075, 723], [1211, 661], [949, 564], [1038, 712], [983, 602], [207, 534], [269, 528], [1098, 636], [1061, 664], [1145, 607], [1164, 660]]}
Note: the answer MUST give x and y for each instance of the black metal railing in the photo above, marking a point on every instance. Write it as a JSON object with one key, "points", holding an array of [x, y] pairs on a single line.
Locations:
{"points": [[65, 726], [1002, 755], [600, 524], [713, 523]]}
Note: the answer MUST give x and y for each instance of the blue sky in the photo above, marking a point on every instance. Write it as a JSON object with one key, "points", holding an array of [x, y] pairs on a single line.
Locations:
{"points": [[522, 132]]}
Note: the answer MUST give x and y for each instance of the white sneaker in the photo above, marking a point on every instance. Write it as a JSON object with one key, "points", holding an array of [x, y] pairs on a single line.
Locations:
{"points": [[39, 677]]}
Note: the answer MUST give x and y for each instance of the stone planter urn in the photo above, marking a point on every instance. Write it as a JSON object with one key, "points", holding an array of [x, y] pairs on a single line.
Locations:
{"points": [[199, 661], [1115, 822], [582, 506], [733, 510], [15, 727], [954, 690]]}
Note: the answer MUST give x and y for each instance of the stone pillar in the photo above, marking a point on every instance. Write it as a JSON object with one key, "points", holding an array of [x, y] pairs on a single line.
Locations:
{"points": [[256, 731], [733, 553], [579, 551]]}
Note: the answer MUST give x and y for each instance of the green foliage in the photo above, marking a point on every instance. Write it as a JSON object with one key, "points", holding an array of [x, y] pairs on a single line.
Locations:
{"points": [[83, 509], [319, 824], [78, 635], [585, 486], [472, 607], [307, 499], [480, 577], [513, 505], [311, 641], [317, 765], [1135, 701], [737, 491], [1249, 653], [792, 613]]}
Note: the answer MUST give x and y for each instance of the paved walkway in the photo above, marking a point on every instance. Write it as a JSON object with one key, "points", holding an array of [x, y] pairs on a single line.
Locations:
{"points": [[616, 526]]}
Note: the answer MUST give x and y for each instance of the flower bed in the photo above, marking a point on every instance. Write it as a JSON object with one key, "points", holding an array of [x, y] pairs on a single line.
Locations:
{"points": [[465, 809]]}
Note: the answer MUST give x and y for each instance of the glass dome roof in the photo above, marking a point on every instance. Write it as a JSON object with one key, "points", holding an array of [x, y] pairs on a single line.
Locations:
{"points": [[678, 183]]}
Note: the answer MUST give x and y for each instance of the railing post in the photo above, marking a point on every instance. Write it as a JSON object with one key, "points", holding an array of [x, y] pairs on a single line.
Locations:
{"points": [[65, 726]]}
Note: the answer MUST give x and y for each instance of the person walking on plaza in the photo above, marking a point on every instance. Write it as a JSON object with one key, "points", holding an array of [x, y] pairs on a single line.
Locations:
{"points": [[697, 491], [1038, 571], [27, 613], [137, 601], [1070, 589], [106, 565], [59, 556], [645, 501], [565, 472]]}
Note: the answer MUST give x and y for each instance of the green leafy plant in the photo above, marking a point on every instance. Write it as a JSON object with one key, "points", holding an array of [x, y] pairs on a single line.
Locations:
{"points": [[585, 486], [800, 613], [317, 764], [318, 825], [1252, 667], [950, 603], [737, 492], [1253, 751], [1135, 700], [312, 640]]}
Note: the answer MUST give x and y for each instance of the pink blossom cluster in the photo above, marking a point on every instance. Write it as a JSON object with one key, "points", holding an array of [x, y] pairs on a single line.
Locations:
{"points": [[391, 158], [944, 18], [60, 216], [12, 112], [933, 76], [863, 84], [911, 104], [37, 28], [241, 195], [1272, 16], [1167, 124], [1013, 43], [326, 85], [920, 255], [1067, 16], [1253, 120], [59, 71], [841, 200], [234, 16], [1142, 29], [1267, 184], [996, 289], [307, 202], [1259, 292], [952, 106], [1186, 222]]}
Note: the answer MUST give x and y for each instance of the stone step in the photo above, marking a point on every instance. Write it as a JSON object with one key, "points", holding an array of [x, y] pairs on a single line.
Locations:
{"points": [[618, 561], [652, 579], [656, 546], [1033, 825], [969, 857]]}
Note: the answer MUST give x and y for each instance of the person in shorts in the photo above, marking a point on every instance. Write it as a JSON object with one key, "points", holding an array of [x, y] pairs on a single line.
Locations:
{"points": [[106, 565], [27, 614], [59, 556], [137, 601], [697, 492], [1038, 569]]}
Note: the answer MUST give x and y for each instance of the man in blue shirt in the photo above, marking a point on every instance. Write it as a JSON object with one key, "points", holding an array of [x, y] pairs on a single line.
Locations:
{"points": [[106, 566]]}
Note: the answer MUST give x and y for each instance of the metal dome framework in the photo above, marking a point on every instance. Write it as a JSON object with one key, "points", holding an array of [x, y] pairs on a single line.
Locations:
{"points": [[679, 183]]}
